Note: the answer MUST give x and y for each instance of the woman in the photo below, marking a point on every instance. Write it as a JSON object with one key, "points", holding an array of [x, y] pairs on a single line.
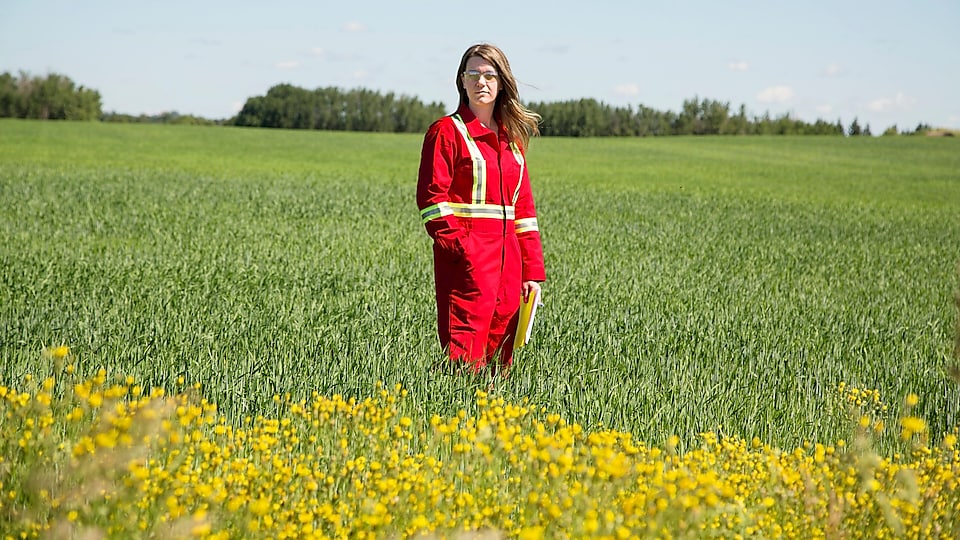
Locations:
{"points": [[476, 203]]}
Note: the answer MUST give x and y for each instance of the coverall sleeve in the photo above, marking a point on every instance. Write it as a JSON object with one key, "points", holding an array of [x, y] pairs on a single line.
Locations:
{"points": [[437, 160], [528, 232]]}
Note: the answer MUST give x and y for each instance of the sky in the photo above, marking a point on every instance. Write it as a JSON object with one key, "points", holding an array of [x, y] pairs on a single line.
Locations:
{"points": [[882, 62]]}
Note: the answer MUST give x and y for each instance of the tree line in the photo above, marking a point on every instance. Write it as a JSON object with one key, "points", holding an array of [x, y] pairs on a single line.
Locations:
{"points": [[162, 118], [56, 97], [290, 107], [591, 118]]}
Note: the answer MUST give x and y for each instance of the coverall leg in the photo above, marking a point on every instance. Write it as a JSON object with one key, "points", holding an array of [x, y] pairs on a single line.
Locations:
{"points": [[478, 296]]}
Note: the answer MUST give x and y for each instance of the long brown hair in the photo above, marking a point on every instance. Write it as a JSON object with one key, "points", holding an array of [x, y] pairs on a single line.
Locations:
{"points": [[521, 123]]}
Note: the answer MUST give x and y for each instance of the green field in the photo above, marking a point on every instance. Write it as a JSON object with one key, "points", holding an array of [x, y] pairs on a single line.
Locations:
{"points": [[694, 284]]}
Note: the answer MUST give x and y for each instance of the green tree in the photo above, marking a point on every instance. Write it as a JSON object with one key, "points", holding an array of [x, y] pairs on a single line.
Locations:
{"points": [[54, 97], [10, 97], [70, 102], [651, 122], [738, 124], [689, 121], [290, 107], [716, 116], [855, 128]]}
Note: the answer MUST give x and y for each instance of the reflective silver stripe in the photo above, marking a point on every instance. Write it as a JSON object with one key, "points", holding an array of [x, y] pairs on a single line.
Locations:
{"points": [[519, 157], [526, 225], [435, 212], [479, 164], [492, 211]]}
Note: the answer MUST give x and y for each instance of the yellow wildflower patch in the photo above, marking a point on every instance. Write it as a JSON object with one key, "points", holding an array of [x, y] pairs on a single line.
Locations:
{"points": [[132, 464]]}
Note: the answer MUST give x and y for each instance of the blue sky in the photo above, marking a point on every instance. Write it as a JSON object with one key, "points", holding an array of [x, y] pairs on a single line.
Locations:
{"points": [[884, 62]]}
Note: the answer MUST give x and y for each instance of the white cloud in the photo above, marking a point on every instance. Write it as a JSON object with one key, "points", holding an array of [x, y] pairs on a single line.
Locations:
{"points": [[775, 94], [898, 102], [354, 27], [629, 89], [740, 65], [238, 106], [288, 64], [824, 109], [317, 51], [833, 70]]}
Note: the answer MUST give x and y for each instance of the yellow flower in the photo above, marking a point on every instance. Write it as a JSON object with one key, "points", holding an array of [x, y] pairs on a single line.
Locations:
{"points": [[260, 506], [912, 425], [950, 441], [95, 400], [106, 439], [531, 533]]}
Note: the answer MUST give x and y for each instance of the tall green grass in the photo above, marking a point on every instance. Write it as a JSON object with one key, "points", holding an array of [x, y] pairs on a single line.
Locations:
{"points": [[692, 282]]}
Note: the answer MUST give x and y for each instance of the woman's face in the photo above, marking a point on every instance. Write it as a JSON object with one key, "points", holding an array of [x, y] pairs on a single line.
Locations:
{"points": [[481, 82]]}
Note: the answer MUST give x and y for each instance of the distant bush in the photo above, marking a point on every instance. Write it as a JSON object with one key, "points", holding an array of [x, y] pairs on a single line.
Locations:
{"points": [[162, 118]]}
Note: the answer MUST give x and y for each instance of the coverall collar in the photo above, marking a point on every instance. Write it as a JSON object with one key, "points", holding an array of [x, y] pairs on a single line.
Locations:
{"points": [[474, 127]]}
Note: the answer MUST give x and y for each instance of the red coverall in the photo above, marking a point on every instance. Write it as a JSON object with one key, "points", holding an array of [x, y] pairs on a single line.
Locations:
{"points": [[475, 201]]}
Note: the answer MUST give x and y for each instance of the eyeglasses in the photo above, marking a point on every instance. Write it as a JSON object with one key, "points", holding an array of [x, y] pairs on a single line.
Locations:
{"points": [[474, 75]]}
